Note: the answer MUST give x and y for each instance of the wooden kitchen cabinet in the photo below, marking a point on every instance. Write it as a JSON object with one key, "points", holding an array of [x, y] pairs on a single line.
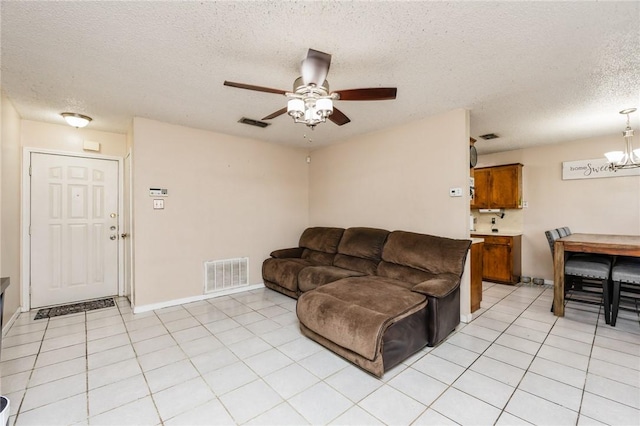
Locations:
{"points": [[501, 258], [498, 187], [476, 275]]}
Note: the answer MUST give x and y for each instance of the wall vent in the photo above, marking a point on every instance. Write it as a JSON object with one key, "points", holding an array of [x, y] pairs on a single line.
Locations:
{"points": [[489, 136], [252, 122], [226, 274]]}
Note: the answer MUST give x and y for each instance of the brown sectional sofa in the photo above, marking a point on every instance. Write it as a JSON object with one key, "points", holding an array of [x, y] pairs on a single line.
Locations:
{"points": [[372, 296]]}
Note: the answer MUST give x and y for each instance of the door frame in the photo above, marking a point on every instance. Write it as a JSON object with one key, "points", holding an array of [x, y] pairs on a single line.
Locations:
{"points": [[25, 218]]}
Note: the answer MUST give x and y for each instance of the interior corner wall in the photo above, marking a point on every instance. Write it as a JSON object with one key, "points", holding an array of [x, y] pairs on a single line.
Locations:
{"points": [[228, 197], [397, 178], [601, 206], [10, 206]]}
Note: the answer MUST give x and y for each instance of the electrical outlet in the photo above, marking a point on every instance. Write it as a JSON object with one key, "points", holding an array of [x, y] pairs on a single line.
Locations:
{"points": [[493, 220], [158, 204]]}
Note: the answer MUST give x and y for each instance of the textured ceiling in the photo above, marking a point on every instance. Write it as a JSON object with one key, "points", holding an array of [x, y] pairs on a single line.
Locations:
{"points": [[533, 72]]}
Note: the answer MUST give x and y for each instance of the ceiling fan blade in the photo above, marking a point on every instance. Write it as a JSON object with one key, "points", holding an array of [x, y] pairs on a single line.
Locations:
{"points": [[338, 117], [372, 94], [275, 114], [256, 88], [315, 67]]}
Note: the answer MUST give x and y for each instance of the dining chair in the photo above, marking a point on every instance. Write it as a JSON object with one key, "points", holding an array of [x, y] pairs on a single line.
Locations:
{"points": [[626, 277], [585, 274]]}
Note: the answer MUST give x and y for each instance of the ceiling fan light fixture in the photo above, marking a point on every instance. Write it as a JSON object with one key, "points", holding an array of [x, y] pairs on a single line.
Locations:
{"points": [[324, 107], [295, 108], [76, 120]]}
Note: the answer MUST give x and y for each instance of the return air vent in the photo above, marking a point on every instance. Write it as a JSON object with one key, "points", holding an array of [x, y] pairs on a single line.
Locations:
{"points": [[252, 122], [489, 136], [226, 274]]}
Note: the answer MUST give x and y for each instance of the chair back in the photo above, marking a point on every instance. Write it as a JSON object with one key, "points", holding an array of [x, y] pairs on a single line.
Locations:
{"points": [[564, 231], [552, 235]]}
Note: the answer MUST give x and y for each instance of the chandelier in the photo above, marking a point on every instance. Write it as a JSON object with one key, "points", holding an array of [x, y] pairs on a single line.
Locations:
{"points": [[310, 104], [629, 158]]}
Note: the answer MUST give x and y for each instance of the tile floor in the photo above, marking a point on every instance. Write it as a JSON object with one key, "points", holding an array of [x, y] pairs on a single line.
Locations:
{"points": [[241, 360]]}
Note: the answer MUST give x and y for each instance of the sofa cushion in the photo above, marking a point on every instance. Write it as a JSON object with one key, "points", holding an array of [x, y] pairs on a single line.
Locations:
{"points": [[295, 252], [318, 257], [440, 286], [321, 239], [365, 243], [314, 276], [426, 252], [284, 272], [403, 273], [359, 264], [354, 312]]}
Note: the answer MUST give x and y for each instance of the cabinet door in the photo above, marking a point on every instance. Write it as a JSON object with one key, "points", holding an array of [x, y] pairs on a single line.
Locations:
{"points": [[505, 190], [482, 188], [496, 262]]}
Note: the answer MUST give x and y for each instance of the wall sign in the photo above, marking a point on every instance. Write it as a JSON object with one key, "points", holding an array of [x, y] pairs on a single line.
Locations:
{"points": [[592, 169]]}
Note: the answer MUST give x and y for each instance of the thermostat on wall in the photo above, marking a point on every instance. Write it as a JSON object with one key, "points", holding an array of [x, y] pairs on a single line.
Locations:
{"points": [[158, 192]]}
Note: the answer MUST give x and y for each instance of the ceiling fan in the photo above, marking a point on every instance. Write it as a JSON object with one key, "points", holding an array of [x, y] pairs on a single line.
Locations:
{"points": [[311, 101]]}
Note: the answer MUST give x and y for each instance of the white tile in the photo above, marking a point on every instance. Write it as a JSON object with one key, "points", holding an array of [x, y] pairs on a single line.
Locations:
{"points": [[526, 333], [354, 383], [173, 313], [612, 356], [616, 391], [182, 397], [264, 326], [147, 333], [65, 331], [498, 370], [117, 394], [14, 382], [499, 316], [267, 362], [282, 414], [248, 318], [15, 330], [234, 335], [231, 377], [182, 324], [93, 323], [569, 333], [569, 375], [20, 351], [170, 375], [160, 358], [222, 325], [614, 372], [57, 371], [249, 347], [189, 334], [281, 336], [608, 411], [17, 365], [291, 380], [568, 345], [509, 356], [210, 361], [320, 403], [433, 418], [201, 345], [439, 368], [539, 411], [154, 344], [141, 322], [455, 354], [551, 390], [22, 339], [113, 373], [323, 363], [584, 421], [62, 342], [392, 406], [102, 332], [272, 311], [211, 316], [474, 412], [356, 416], [15, 399], [300, 348], [484, 388], [262, 398], [211, 413], [106, 343], [469, 342], [139, 412], [507, 419], [419, 386], [617, 334], [110, 356], [614, 344], [518, 343], [490, 323], [61, 412], [561, 356], [53, 391], [286, 319]]}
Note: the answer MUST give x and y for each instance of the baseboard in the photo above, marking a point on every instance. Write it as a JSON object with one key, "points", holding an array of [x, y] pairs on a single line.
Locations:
{"points": [[466, 318], [169, 303], [13, 319]]}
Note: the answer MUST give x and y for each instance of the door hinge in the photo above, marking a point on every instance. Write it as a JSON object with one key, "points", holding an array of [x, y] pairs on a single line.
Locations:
{"points": [[30, 169]]}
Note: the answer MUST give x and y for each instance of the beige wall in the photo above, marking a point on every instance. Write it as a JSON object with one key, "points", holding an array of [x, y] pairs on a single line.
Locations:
{"points": [[62, 137], [228, 197], [609, 205], [398, 178], [10, 202]]}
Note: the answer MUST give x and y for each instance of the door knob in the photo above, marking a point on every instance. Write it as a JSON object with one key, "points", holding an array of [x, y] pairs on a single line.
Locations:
{"points": [[113, 237], [125, 235]]}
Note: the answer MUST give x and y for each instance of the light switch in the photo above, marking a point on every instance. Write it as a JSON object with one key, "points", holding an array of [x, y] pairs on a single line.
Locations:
{"points": [[455, 192], [158, 204]]}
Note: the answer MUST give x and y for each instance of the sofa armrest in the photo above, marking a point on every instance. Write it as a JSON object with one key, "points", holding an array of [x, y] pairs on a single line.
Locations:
{"points": [[288, 253], [439, 287]]}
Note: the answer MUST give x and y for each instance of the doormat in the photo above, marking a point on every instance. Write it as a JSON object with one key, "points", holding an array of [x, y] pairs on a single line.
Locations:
{"points": [[74, 308]]}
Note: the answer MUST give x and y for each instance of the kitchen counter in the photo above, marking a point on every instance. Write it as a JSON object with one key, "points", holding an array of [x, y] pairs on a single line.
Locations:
{"points": [[496, 234], [476, 240]]}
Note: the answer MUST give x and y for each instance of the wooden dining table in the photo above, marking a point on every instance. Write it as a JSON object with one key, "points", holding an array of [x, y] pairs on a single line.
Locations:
{"points": [[615, 245]]}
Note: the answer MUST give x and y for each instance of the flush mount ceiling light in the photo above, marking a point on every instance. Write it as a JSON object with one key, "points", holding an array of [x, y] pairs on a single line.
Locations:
{"points": [[629, 158], [76, 120]]}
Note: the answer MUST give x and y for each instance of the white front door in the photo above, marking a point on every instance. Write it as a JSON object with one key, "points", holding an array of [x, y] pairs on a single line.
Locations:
{"points": [[74, 229]]}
